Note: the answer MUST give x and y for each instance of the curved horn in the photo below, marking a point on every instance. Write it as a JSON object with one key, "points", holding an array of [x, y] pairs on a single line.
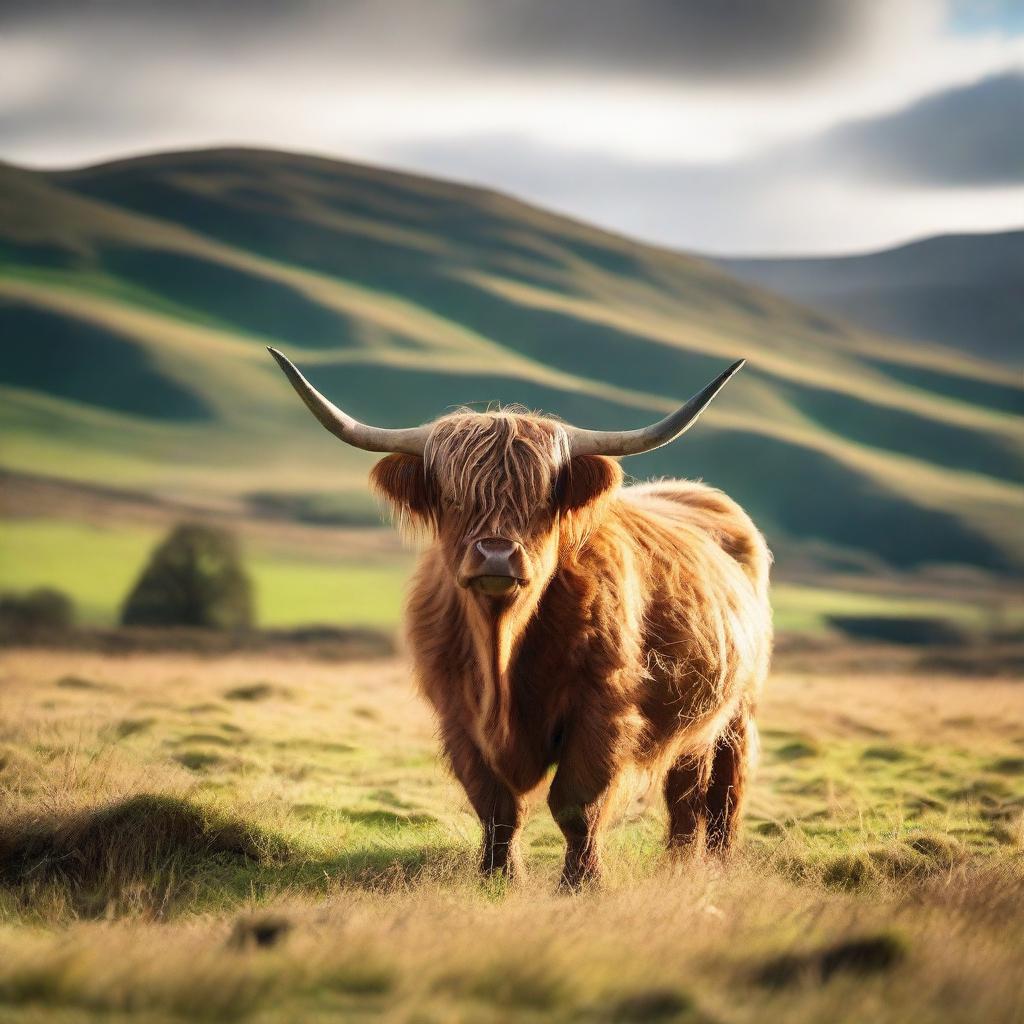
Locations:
{"points": [[635, 442], [411, 440]]}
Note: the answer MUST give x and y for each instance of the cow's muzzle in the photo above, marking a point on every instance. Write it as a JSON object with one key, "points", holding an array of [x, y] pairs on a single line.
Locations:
{"points": [[493, 566]]}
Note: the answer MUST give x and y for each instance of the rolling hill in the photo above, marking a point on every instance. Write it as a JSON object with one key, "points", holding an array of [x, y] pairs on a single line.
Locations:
{"points": [[136, 299], [963, 291]]}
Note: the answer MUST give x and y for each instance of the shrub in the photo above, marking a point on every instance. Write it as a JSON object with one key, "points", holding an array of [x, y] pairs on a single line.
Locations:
{"points": [[194, 578], [23, 616]]}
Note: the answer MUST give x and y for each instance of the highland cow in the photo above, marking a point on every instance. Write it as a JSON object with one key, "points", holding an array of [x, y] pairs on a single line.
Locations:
{"points": [[561, 619]]}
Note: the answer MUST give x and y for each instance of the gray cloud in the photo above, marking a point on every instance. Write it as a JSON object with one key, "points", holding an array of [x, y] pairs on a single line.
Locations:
{"points": [[198, 13], [703, 40], [968, 136], [687, 39], [803, 193], [962, 137]]}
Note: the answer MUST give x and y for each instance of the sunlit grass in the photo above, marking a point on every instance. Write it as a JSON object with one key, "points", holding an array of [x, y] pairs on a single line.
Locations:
{"points": [[274, 839]]}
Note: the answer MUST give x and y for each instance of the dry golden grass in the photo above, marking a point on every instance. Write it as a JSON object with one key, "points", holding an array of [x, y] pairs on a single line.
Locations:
{"points": [[275, 840]]}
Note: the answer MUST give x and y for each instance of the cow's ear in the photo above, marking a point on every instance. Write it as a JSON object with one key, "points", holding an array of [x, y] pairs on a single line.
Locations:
{"points": [[400, 480], [584, 479]]}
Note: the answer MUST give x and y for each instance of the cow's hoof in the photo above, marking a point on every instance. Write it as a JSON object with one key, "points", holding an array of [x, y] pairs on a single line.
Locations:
{"points": [[579, 878]]}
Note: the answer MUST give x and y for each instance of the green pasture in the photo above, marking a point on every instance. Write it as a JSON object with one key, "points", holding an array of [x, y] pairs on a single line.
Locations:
{"points": [[800, 608], [97, 565]]}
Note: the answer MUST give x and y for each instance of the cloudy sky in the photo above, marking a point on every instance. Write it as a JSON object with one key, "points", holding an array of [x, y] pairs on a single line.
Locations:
{"points": [[727, 126]]}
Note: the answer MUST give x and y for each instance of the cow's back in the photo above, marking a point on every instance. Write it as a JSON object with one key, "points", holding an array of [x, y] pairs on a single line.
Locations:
{"points": [[712, 512]]}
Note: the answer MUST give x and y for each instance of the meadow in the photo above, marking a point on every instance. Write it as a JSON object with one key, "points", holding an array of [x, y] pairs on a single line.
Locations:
{"points": [[274, 839], [305, 575]]}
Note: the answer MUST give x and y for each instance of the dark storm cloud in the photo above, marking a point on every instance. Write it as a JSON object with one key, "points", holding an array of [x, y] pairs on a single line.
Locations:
{"points": [[683, 39], [967, 136], [703, 39], [108, 28], [201, 12]]}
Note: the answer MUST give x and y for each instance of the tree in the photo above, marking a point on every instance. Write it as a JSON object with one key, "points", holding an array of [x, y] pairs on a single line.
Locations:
{"points": [[193, 578]]}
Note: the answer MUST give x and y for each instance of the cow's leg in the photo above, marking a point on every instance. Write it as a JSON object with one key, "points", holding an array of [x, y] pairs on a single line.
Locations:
{"points": [[499, 809], [686, 784], [727, 786], [581, 795]]}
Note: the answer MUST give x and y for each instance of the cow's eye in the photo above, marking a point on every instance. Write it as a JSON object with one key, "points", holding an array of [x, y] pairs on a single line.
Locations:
{"points": [[541, 512]]}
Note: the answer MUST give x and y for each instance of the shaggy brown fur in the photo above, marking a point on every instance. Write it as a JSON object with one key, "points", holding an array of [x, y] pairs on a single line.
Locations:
{"points": [[640, 640]]}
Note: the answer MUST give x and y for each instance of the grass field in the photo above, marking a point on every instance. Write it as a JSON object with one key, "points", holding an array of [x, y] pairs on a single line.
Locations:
{"points": [[97, 566], [274, 839], [341, 582]]}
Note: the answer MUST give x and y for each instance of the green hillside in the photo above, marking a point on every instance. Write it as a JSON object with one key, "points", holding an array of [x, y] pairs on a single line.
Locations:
{"points": [[136, 299]]}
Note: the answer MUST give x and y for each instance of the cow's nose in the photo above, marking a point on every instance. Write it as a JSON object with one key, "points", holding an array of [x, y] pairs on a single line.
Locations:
{"points": [[496, 548], [493, 565]]}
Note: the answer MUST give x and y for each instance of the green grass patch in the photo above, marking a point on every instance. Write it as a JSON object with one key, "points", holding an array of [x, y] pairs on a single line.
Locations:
{"points": [[97, 566], [806, 609]]}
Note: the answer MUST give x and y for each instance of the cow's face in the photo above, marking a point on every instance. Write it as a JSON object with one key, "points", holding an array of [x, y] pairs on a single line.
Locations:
{"points": [[502, 495]]}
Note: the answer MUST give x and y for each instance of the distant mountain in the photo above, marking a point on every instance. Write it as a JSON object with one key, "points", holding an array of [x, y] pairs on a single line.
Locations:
{"points": [[136, 299], [964, 291]]}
